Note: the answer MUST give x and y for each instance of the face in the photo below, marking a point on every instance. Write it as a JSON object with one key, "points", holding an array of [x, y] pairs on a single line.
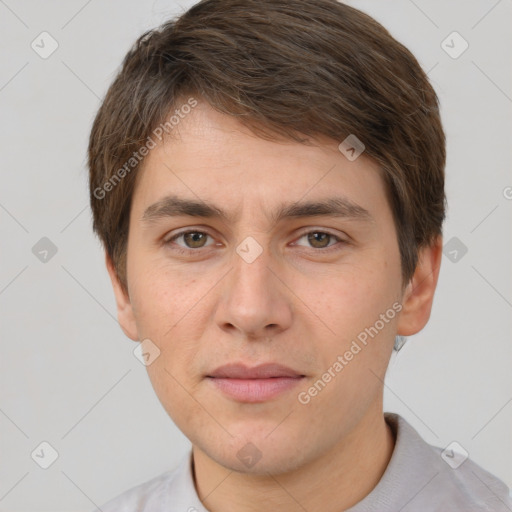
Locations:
{"points": [[288, 255]]}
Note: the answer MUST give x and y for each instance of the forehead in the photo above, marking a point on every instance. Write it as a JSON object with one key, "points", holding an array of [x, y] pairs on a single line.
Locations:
{"points": [[212, 158]]}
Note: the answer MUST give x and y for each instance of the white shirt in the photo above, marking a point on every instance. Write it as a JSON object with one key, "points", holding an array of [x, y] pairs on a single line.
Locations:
{"points": [[416, 479]]}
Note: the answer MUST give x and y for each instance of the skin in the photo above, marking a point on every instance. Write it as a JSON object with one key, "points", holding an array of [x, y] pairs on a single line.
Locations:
{"points": [[294, 305]]}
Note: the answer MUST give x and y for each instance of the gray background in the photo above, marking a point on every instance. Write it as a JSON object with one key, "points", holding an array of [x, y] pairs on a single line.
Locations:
{"points": [[68, 375]]}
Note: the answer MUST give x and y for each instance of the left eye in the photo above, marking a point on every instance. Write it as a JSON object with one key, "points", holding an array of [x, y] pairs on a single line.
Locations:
{"points": [[192, 239], [319, 239]]}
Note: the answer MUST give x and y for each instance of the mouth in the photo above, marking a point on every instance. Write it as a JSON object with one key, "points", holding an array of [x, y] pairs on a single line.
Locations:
{"points": [[254, 385]]}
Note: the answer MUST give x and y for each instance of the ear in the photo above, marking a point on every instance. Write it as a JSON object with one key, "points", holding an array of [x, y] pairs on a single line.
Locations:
{"points": [[419, 294], [125, 314]]}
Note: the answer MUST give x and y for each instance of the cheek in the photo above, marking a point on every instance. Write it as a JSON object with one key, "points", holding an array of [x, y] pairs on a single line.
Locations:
{"points": [[352, 300], [362, 337], [175, 394], [160, 298]]}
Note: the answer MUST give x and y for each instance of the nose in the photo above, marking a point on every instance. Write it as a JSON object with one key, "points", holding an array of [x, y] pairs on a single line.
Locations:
{"points": [[254, 301]]}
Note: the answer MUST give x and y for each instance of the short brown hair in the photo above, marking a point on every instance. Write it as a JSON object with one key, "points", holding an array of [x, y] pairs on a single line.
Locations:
{"points": [[288, 67]]}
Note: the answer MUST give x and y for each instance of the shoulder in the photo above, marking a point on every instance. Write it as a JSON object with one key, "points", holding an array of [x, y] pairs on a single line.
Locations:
{"points": [[473, 487], [444, 479], [157, 494], [138, 498]]}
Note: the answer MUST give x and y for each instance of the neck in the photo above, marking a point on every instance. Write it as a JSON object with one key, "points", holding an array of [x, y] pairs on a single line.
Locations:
{"points": [[336, 480]]}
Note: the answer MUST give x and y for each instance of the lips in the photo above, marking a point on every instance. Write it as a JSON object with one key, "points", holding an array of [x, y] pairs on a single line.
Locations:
{"points": [[257, 384], [262, 371]]}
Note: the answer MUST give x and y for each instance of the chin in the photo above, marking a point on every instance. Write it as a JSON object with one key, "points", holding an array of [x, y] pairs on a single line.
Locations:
{"points": [[258, 454]]}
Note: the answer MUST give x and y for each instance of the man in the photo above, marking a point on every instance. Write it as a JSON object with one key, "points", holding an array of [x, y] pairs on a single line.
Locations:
{"points": [[267, 178]]}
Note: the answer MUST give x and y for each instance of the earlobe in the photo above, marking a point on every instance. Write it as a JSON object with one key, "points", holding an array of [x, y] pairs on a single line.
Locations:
{"points": [[419, 294], [125, 313]]}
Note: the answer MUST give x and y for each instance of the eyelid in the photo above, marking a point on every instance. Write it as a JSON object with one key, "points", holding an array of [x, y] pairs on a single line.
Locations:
{"points": [[317, 229], [184, 232]]}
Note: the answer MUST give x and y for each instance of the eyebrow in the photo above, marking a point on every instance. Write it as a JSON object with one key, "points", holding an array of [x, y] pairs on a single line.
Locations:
{"points": [[173, 206]]}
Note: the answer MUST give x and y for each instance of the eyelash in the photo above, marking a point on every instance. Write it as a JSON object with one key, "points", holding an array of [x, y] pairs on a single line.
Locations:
{"points": [[183, 250]]}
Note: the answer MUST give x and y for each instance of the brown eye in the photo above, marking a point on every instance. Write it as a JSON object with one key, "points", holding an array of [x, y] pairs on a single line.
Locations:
{"points": [[318, 239], [191, 240], [194, 239], [321, 242]]}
